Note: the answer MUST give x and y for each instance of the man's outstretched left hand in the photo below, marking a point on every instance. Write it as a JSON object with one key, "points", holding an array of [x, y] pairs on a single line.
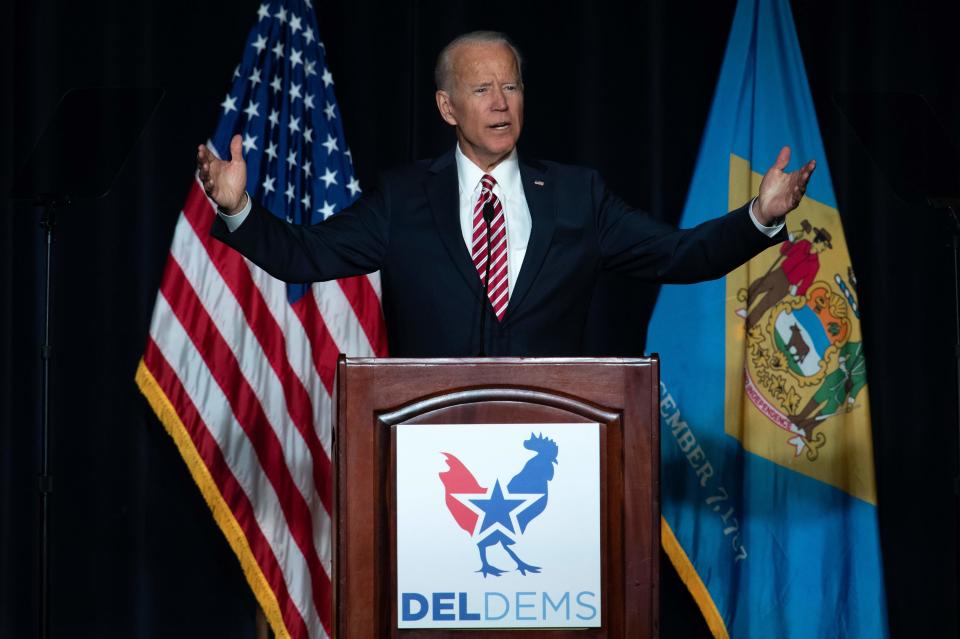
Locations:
{"points": [[781, 192]]}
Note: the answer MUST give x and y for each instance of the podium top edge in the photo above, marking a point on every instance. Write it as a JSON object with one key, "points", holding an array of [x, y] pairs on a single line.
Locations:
{"points": [[458, 361]]}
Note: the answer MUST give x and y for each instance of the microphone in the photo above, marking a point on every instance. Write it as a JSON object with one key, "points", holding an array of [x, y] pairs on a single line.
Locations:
{"points": [[488, 215]]}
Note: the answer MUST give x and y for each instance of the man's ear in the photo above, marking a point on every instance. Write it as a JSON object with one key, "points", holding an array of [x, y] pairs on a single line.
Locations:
{"points": [[445, 108]]}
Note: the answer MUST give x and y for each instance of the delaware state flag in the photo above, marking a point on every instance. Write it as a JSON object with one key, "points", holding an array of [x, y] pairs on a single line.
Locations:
{"points": [[769, 499]]}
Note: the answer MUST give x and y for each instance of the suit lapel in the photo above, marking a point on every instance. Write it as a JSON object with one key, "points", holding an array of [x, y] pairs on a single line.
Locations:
{"points": [[539, 191], [443, 193]]}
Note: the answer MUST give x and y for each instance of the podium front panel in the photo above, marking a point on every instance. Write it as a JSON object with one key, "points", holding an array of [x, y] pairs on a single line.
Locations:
{"points": [[376, 397]]}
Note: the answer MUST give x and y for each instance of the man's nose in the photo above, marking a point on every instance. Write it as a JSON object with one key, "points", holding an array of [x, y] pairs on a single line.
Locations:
{"points": [[499, 100]]}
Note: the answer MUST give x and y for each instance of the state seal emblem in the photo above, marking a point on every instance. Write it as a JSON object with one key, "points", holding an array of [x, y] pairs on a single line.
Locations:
{"points": [[796, 383]]}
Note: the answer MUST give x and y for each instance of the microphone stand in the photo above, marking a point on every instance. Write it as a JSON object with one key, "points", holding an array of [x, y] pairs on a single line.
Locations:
{"points": [[488, 215], [955, 218], [108, 120], [45, 481]]}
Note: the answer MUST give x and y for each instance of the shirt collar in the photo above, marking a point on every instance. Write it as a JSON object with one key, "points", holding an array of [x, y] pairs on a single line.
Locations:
{"points": [[507, 173]]}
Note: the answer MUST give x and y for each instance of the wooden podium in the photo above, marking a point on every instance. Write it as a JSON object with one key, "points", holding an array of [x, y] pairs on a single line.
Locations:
{"points": [[374, 396]]}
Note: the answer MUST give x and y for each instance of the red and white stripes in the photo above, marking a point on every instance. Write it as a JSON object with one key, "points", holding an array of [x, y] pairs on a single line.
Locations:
{"points": [[250, 377], [498, 286]]}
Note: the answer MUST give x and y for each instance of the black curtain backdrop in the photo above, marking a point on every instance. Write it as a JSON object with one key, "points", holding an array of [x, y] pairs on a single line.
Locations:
{"points": [[624, 87]]}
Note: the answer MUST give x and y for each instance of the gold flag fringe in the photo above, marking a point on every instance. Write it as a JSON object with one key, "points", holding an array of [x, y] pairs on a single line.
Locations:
{"points": [[218, 506], [688, 574]]}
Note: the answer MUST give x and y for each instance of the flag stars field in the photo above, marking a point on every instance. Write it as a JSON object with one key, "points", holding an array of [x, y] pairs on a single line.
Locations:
{"points": [[287, 79]]}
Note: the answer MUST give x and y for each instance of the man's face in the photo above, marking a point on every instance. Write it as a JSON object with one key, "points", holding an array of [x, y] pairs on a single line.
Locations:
{"points": [[484, 102]]}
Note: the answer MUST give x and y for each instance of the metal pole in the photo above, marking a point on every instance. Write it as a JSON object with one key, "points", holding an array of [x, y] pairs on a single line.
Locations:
{"points": [[47, 222], [956, 317], [956, 356]]}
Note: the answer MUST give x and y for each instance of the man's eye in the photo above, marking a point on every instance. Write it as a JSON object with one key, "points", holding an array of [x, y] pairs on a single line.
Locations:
{"points": [[510, 87], [480, 90]]}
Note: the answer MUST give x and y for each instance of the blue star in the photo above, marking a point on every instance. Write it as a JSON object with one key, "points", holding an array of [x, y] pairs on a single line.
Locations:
{"points": [[496, 509]]}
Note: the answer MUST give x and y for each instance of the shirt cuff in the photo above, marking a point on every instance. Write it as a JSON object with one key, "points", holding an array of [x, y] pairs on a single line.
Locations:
{"points": [[769, 231], [234, 221]]}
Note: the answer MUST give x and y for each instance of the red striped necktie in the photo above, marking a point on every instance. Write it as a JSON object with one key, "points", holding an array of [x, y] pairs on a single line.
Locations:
{"points": [[497, 290]]}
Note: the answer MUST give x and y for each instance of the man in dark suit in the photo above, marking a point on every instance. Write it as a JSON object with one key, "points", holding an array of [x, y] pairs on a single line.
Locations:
{"points": [[552, 228]]}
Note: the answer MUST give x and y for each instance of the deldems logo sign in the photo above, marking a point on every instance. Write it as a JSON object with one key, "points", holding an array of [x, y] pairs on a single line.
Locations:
{"points": [[498, 526]]}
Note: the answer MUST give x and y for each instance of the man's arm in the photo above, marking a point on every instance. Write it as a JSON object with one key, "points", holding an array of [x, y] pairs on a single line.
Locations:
{"points": [[637, 244], [353, 242], [234, 220], [634, 243], [770, 231]]}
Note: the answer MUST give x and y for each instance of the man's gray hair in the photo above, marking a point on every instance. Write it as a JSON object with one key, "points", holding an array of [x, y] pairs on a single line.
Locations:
{"points": [[443, 72]]}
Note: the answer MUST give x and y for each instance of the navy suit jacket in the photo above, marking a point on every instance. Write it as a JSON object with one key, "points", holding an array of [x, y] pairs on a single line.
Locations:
{"points": [[409, 229]]}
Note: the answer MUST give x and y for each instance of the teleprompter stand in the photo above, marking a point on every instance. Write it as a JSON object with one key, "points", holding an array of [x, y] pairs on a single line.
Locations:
{"points": [[77, 158]]}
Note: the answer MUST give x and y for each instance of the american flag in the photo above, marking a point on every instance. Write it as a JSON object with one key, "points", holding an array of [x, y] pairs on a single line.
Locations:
{"points": [[239, 366]]}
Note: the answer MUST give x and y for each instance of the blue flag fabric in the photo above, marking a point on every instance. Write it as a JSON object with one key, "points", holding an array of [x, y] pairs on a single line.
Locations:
{"points": [[768, 490], [282, 102]]}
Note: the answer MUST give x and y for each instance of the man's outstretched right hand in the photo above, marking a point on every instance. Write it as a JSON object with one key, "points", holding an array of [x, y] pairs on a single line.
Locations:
{"points": [[224, 181]]}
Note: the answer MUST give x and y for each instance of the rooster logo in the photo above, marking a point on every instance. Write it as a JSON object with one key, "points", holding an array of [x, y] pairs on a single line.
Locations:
{"points": [[491, 517]]}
